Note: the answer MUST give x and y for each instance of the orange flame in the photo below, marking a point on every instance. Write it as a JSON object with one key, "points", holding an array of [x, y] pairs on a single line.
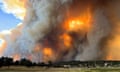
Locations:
{"points": [[82, 22], [48, 54], [113, 49], [75, 23], [78, 24], [67, 40]]}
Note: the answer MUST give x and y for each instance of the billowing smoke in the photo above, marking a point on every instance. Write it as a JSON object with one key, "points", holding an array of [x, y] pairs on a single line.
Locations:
{"points": [[63, 30]]}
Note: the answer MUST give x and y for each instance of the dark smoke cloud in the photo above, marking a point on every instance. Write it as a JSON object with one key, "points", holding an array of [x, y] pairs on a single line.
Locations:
{"points": [[43, 24]]}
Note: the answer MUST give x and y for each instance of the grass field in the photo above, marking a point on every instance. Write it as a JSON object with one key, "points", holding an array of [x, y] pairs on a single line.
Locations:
{"points": [[41, 69]]}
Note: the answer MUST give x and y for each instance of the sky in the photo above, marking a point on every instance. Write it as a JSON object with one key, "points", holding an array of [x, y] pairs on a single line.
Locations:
{"points": [[7, 21]]}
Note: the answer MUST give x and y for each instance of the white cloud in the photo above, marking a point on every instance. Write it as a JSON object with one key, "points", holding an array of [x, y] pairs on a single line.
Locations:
{"points": [[15, 7]]}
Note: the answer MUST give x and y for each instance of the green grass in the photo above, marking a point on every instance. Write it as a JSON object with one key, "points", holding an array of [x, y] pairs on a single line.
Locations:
{"points": [[43, 69]]}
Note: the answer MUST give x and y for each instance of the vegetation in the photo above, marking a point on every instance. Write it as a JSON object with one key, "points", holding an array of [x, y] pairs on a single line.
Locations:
{"points": [[5, 61], [44, 69]]}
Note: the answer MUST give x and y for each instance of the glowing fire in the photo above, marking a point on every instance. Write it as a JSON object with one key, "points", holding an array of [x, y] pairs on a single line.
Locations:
{"points": [[75, 23], [48, 54], [113, 49], [67, 40], [79, 23]]}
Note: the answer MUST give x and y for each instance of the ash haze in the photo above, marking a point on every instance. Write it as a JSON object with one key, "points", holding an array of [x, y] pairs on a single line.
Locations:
{"points": [[62, 30]]}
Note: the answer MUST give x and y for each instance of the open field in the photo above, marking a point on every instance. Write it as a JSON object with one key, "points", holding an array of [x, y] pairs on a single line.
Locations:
{"points": [[41, 69]]}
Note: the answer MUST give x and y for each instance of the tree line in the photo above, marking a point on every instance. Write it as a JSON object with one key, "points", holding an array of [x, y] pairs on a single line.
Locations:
{"points": [[6, 61]]}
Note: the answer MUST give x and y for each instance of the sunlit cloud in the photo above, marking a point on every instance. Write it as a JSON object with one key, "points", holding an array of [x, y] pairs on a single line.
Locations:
{"points": [[6, 32], [16, 7]]}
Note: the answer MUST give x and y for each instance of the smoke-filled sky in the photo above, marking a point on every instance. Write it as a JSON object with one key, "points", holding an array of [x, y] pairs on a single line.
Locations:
{"points": [[60, 30]]}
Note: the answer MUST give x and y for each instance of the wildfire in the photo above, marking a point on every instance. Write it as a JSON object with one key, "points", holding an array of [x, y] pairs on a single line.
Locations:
{"points": [[67, 40], [113, 49], [79, 23], [48, 54], [75, 23]]}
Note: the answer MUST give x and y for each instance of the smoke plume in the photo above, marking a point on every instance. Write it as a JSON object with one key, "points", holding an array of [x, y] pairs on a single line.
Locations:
{"points": [[63, 30]]}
